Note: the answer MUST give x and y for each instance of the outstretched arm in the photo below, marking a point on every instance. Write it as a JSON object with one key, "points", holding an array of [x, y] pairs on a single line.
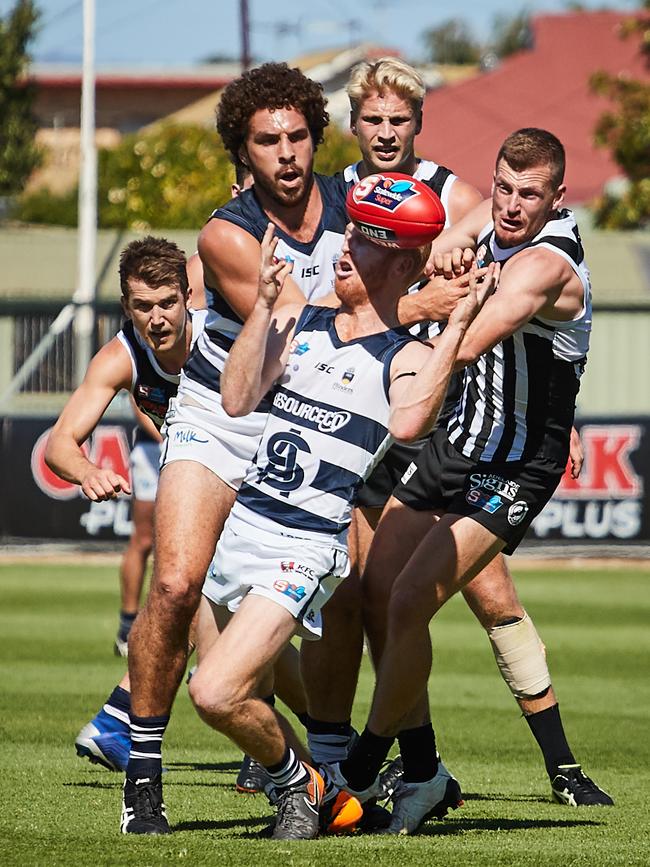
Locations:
{"points": [[108, 373], [260, 351]]}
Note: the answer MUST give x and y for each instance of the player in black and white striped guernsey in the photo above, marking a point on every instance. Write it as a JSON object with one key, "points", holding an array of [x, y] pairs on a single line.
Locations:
{"points": [[476, 487], [346, 381]]}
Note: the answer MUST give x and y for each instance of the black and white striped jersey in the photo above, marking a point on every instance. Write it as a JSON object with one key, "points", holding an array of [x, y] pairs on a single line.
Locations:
{"points": [[518, 399]]}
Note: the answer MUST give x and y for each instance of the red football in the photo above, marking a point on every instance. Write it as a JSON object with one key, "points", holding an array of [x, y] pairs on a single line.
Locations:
{"points": [[395, 210]]}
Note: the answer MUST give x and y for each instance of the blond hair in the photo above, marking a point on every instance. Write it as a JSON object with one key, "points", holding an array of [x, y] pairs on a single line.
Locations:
{"points": [[387, 73]]}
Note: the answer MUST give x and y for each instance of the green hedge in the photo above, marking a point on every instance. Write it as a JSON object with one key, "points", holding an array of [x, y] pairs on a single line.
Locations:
{"points": [[169, 178]]}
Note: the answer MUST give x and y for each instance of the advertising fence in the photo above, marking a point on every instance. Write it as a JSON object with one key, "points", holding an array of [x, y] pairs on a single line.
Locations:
{"points": [[607, 504]]}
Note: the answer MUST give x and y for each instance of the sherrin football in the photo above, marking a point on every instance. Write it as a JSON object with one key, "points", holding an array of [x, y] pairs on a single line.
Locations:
{"points": [[395, 210]]}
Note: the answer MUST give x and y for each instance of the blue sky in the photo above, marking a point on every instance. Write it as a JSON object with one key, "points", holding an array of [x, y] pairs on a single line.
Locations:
{"points": [[181, 32]]}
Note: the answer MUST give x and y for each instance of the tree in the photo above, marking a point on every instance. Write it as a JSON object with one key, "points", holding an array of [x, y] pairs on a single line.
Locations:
{"points": [[625, 131], [18, 153], [511, 34], [171, 176], [452, 42]]}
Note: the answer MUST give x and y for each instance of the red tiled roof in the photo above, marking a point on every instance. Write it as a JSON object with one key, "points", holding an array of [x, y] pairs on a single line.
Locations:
{"points": [[465, 124]]}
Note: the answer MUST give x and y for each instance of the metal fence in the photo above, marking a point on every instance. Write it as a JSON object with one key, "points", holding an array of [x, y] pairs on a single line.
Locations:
{"points": [[24, 328]]}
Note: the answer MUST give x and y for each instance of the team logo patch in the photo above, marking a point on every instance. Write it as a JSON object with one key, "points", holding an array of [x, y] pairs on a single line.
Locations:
{"points": [[346, 379], [481, 253], [298, 348], [409, 472], [517, 512], [294, 591], [385, 193], [484, 501], [493, 484]]}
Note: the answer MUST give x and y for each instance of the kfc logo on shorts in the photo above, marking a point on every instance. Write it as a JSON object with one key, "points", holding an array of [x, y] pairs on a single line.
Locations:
{"points": [[292, 566], [293, 591], [494, 484], [484, 501], [517, 512]]}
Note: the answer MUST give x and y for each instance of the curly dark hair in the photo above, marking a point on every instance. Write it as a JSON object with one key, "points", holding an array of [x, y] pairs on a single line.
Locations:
{"points": [[272, 86]]}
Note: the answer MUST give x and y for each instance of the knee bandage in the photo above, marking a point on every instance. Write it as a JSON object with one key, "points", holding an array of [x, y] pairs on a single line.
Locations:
{"points": [[521, 657]]}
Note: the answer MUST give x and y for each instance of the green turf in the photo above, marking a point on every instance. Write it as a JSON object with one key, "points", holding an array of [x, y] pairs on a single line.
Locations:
{"points": [[57, 625]]}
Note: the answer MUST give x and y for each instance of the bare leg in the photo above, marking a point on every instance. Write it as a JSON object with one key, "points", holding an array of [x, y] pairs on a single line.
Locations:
{"points": [[330, 667], [186, 531], [457, 549], [288, 680], [212, 620], [134, 561], [227, 682], [399, 533]]}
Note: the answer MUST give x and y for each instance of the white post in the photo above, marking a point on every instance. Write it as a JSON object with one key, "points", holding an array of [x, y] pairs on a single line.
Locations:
{"points": [[84, 295]]}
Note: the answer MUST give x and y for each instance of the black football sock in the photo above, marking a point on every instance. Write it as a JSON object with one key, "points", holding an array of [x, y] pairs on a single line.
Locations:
{"points": [[548, 730], [126, 622], [418, 750], [369, 753]]}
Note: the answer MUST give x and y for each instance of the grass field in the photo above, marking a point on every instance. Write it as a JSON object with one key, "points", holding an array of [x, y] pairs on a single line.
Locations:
{"points": [[57, 623]]}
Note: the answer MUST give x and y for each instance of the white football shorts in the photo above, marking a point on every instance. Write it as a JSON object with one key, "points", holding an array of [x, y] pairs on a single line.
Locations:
{"points": [[298, 574], [143, 463], [224, 445]]}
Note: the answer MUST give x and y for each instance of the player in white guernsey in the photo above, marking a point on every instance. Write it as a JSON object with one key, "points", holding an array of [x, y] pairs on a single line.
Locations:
{"points": [[346, 381], [477, 486], [271, 119], [386, 116]]}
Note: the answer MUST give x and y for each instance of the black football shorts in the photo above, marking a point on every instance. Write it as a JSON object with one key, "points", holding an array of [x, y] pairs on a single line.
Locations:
{"points": [[502, 497]]}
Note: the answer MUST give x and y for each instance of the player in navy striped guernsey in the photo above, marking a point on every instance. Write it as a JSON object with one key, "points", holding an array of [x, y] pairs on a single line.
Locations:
{"points": [[145, 359], [477, 485], [346, 381]]}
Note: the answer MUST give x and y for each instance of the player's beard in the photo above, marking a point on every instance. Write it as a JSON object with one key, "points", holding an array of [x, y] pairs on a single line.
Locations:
{"points": [[289, 198]]}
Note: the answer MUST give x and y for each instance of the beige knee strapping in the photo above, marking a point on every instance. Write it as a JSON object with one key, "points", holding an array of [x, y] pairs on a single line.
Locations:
{"points": [[521, 657]]}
